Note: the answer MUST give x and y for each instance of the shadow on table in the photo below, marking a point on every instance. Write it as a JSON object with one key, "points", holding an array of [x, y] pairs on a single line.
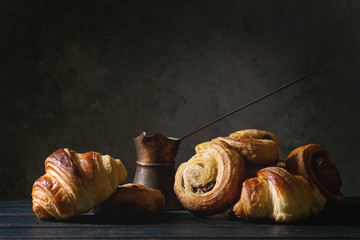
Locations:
{"points": [[90, 218], [348, 213]]}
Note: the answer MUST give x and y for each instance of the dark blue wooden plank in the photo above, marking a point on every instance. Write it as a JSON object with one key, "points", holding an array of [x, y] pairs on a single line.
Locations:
{"points": [[18, 221], [148, 231]]}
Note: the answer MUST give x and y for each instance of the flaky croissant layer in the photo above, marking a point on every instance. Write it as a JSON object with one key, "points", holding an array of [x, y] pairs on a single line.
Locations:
{"points": [[278, 195], [74, 183]]}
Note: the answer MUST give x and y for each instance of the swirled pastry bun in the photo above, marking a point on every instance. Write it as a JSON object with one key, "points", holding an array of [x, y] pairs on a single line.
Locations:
{"points": [[254, 134], [255, 151], [210, 182], [258, 147], [314, 162]]}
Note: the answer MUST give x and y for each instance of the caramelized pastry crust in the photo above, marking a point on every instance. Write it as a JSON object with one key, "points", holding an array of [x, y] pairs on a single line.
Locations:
{"points": [[210, 182], [254, 134], [132, 200], [278, 195], [315, 163], [258, 147], [255, 151], [74, 183]]}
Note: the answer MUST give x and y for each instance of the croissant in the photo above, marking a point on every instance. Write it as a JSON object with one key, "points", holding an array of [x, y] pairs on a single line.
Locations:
{"points": [[132, 201], [315, 163], [74, 183], [278, 195], [210, 182]]}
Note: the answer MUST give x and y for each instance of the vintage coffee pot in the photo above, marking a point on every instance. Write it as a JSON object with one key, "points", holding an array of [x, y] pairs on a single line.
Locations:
{"points": [[156, 165]]}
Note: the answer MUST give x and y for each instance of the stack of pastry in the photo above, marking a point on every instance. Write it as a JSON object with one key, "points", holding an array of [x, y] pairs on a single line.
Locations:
{"points": [[259, 148], [242, 172]]}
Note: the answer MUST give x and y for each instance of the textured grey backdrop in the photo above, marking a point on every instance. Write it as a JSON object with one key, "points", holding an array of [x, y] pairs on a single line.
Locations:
{"points": [[91, 75]]}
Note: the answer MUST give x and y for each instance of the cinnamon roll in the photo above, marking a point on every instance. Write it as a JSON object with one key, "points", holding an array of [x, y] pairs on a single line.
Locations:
{"points": [[255, 151], [254, 134], [258, 147], [314, 162], [210, 182]]}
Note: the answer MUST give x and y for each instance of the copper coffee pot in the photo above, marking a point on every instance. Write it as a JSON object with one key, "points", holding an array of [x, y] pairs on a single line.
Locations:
{"points": [[156, 156], [156, 165]]}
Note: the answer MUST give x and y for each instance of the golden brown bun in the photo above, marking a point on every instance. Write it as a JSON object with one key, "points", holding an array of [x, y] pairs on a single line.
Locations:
{"points": [[315, 163], [256, 151], [258, 147], [132, 200], [278, 195], [210, 182], [254, 134], [74, 183]]}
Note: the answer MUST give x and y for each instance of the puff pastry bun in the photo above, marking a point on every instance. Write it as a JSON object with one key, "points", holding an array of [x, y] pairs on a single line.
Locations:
{"points": [[314, 162], [74, 183], [256, 146], [254, 134], [132, 201], [210, 182], [278, 195]]}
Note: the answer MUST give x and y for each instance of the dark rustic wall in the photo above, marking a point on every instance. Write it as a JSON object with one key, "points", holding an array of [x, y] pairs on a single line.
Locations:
{"points": [[91, 75]]}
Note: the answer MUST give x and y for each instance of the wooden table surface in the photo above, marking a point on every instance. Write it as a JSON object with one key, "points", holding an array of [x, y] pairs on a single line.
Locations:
{"points": [[18, 221]]}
